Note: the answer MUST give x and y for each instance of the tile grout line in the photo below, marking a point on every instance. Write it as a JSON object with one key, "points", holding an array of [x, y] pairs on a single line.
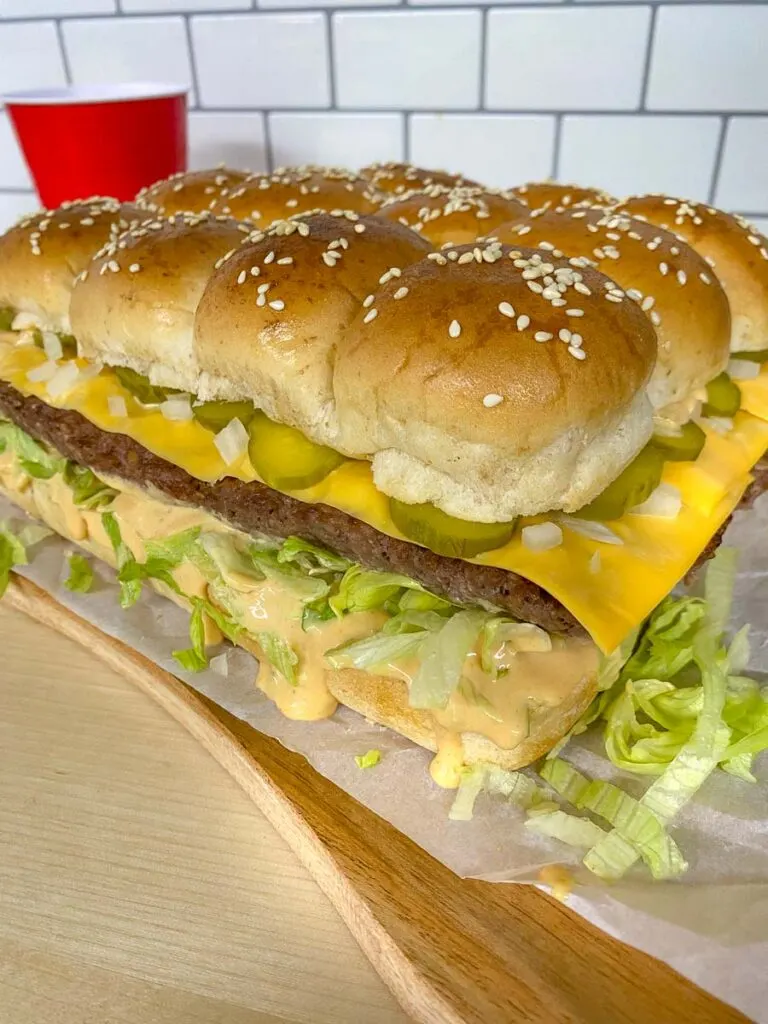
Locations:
{"points": [[63, 51], [192, 57], [406, 129], [506, 112], [718, 161], [483, 59], [556, 144], [648, 58], [268, 150], [330, 52]]}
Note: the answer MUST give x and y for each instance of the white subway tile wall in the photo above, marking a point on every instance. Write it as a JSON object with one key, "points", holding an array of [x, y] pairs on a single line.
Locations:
{"points": [[631, 96]]}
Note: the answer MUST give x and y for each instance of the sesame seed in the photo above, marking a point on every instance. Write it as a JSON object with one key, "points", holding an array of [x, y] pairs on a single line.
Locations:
{"points": [[491, 400], [705, 278], [647, 303], [524, 229], [359, 228], [303, 229], [581, 288], [269, 257], [506, 310], [576, 340], [574, 312], [255, 271], [633, 293], [542, 336], [454, 330], [241, 277], [577, 353], [133, 269], [370, 315], [613, 297], [710, 261], [263, 288], [655, 318], [663, 269], [114, 266], [599, 253], [367, 301], [535, 286], [328, 259], [285, 261], [564, 334], [399, 294], [674, 250], [522, 322], [261, 300], [682, 276], [466, 257], [277, 304]]}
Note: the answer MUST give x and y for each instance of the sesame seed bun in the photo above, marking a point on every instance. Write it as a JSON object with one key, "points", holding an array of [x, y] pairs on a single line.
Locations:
{"points": [[737, 252], [452, 215], [42, 255], [665, 276], [548, 194], [265, 198], [135, 304], [269, 321], [462, 392], [192, 192], [395, 178]]}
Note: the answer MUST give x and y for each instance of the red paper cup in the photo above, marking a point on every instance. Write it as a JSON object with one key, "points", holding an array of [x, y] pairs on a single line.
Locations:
{"points": [[108, 140]]}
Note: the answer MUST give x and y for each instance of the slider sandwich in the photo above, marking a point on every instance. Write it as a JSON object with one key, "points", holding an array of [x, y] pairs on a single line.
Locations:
{"points": [[366, 462], [188, 192], [547, 195], [452, 215], [262, 199], [738, 254], [396, 178]]}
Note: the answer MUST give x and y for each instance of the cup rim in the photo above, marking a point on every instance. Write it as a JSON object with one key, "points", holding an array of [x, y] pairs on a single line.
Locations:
{"points": [[95, 93]]}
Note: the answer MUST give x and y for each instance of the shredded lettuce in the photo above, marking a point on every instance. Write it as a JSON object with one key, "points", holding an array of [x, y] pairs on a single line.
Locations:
{"points": [[311, 558], [280, 655], [174, 549], [471, 783], [378, 650], [33, 458], [194, 659], [442, 659], [368, 760], [80, 578], [580, 832], [130, 584], [517, 788], [87, 490]]}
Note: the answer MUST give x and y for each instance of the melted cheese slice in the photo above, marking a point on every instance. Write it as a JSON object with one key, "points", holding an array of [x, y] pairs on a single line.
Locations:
{"points": [[754, 393], [609, 600]]}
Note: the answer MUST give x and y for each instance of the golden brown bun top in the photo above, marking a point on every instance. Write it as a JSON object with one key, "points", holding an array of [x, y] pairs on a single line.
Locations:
{"points": [[394, 178], [736, 251], [538, 194], [663, 274], [191, 192], [135, 303], [42, 255], [265, 198], [452, 215], [269, 321], [467, 328]]}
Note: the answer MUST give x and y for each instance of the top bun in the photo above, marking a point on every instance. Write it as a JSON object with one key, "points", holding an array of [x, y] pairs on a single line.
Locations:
{"points": [[135, 303], [470, 386], [548, 194], [264, 198], [664, 275], [190, 192], [270, 318], [42, 255], [395, 179], [451, 216], [737, 252]]}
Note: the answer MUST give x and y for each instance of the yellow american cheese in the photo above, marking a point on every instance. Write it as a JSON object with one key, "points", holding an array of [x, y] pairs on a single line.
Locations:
{"points": [[609, 598], [754, 393]]}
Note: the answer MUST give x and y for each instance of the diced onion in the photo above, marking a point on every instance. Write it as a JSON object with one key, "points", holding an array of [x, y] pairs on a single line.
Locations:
{"points": [[91, 369], [117, 406], [542, 536], [24, 321], [220, 664], [177, 408], [595, 531], [43, 372], [52, 345], [667, 428], [64, 379], [743, 369], [232, 441], [720, 424], [665, 501]]}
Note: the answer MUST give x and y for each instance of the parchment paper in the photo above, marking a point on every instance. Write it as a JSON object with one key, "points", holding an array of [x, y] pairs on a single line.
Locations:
{"points": [[712, 926]]}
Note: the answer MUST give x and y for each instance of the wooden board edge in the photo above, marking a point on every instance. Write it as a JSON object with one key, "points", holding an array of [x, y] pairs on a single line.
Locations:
{"points": [[408, 985]]}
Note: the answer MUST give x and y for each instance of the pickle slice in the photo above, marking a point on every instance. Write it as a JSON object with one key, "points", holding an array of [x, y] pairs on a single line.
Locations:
{"points": [[7, 316], [216, 415], [633, 485], [284, 458], [684, 447], [140, 387], [761, 356], [446, 535], [723, 397]]}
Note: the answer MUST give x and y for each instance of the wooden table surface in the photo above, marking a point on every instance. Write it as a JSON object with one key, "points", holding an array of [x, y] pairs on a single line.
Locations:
{"points": [[138, 883]]}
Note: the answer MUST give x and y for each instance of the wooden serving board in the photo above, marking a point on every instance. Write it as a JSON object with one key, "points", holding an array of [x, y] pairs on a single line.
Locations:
{"points": [[452, 951]]}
